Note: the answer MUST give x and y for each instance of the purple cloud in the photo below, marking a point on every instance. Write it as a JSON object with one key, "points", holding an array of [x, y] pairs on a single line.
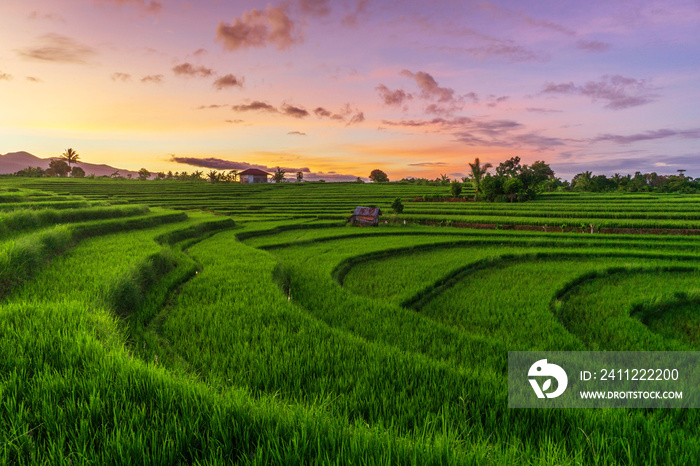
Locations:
{"points": [[152, 78], [144, 6], [123, 77], [429, 87], [541, 110], [228, 81], [352, 18], [296, 112], [322, 112], [222, 164], [427, 164], [259, 28], [255, 106], [443, 101], [315, 7], [356, 119], [595, 46], [648, 136], [59, 49], [391, 98], [189, 70], [619, 92]]}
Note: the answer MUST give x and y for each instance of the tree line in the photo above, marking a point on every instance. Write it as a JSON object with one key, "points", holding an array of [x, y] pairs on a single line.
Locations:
{"points": [[511, 181]]}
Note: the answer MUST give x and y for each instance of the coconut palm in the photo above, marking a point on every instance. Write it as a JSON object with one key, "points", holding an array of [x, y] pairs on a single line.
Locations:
{"points": [[477, 173], [70, 156], [214, 176], [278, 176]]}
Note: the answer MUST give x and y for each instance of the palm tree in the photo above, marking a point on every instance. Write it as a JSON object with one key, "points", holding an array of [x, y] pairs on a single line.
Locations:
{"points": [[70, 156], [278, 176], [214, 176], [477, 173]]}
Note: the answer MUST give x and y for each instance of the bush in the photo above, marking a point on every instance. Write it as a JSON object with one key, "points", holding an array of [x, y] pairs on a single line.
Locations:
{"points": [[397, 206], [456, 188]]}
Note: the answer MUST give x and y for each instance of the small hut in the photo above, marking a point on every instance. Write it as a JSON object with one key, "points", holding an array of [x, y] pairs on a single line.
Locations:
{"points": [[365, 216], [253, 175]]}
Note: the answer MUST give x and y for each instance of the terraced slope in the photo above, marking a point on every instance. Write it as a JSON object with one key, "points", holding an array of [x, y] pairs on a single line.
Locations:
{"points": [[290, 338], [553, 212]]}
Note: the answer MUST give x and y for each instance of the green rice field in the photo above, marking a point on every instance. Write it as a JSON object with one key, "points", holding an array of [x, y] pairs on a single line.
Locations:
{"points": [[159, 322]]}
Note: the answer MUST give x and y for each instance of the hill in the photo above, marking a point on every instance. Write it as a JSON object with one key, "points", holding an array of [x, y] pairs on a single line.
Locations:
{"points": [[15, 161]]}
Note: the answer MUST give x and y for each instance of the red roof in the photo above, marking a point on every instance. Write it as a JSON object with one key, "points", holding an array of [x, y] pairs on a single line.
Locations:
{"points": [[367, 211], [254, 171]]}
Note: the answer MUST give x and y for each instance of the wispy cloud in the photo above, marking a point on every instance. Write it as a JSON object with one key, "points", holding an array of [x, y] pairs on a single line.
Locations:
{"points": [[541, 110], [153, 78], [484, 133], [315, 7], [223, 164], [296, 133], [356, 119], [648, 136], [33, 79], [497, 49], [228, 81], [58, 48], [254, 106], [595, 46], [360, 10], [296, 112], [189, 70], [5, 76], [324, 113], [427, 164], [144, 6], [619, 92], [429, 88], [202, 107], [348, 114], [123, 77], [35, 15], [259, 28], [443, 101], [395, 98]]}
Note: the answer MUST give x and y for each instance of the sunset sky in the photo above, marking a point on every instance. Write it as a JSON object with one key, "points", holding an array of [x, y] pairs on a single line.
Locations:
{"points": [[338, 88]]}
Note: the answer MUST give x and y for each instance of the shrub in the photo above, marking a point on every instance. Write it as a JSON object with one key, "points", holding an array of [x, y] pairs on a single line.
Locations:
{"points": [[456, 188]]}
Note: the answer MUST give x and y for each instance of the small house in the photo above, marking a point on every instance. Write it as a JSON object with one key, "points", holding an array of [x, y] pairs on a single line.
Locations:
{"points": [[253, 175], [365, 216]]}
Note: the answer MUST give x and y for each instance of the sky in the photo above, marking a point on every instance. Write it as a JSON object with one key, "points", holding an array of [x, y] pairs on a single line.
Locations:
{"points": [[336, 89]]}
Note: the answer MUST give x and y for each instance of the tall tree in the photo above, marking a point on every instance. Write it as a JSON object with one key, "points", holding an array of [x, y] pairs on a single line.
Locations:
{"points": [[477, 173], [300, 177], [214, 176], [278, 176], [378, 176], [70, 156], [58, 167]]}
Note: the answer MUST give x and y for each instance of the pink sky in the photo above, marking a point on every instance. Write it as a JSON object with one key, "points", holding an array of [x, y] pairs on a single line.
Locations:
{"points": [[343, 87]]}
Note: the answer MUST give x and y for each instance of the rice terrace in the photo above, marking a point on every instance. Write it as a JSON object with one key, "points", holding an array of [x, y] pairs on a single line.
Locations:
{"points": [[167, 322], [357, 232]]}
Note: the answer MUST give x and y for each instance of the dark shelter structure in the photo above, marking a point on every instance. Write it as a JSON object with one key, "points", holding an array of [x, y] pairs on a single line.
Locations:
{"points": [[365, 216]]}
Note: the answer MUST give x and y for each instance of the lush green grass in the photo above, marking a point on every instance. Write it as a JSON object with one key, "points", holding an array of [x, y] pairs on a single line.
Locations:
{"points": [[154, 338]]}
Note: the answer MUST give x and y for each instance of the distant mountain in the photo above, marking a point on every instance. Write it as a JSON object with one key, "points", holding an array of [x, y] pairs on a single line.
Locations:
{"points": [[15, 161]]}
